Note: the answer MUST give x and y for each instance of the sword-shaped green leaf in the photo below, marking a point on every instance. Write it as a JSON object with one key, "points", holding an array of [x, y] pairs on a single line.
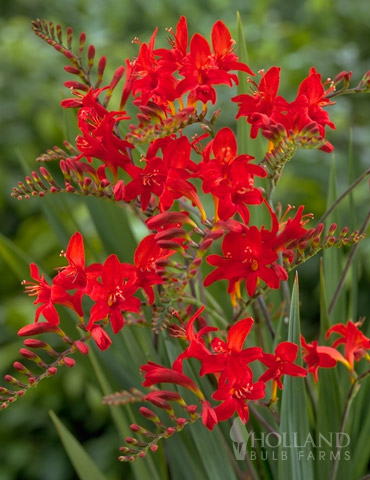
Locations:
{"points": [[84, 466], [295, 455], [17, 260]]}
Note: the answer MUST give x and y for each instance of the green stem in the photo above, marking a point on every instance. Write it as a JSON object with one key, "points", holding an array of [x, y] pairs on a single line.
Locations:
{"points": [[266, 314], [346, 91], [348, 264], [194, 301], [344, 194], [263, 421]]}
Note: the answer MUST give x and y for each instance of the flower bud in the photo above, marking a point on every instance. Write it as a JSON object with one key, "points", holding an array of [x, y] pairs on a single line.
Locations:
{"points": [[81, 347], [69, 362]]}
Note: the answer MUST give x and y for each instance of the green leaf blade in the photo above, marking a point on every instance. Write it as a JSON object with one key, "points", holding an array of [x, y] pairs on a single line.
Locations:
{"points": [[85, 468], [295, 455]]}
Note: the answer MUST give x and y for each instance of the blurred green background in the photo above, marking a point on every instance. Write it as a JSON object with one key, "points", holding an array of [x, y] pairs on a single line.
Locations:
{"points": [[332, 35]]}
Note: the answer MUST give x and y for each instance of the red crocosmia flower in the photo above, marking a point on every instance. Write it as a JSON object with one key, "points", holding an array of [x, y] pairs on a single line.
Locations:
{"points": [[281, 363], [176, 155], [248, 255], [304, 117], [148, 273], [260, 107], [313, 90], [229, 177], [114, 294], [166, 178], [235, 388], [101, 337], [196, 348], [202, 69], [153, 80], [231, 349], [75, 276], [155, 373], [223, 45], [177, 187], [47, 295], [98, 139], [354, 341], [147, 181], [320, 357], [173, 59], [291, 231], [286, 234]]}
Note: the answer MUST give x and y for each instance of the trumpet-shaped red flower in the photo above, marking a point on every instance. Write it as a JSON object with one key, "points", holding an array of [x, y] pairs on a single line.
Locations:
{"points": [[229, 177], [98, 138], [317, 356], [167, 177], [114, 294], [173, 59], [76, 276], [260, 107], [47, 295], [235, 389], [147, 181], [248, 255], [355, 342], [152, 79], [313, 90], [197, 348], [281, 363], [227, 352], [148, 273], [202, 69], [304, 116]]}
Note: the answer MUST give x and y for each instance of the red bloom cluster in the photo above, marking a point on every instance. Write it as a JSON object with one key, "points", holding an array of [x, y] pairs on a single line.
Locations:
{"points": [[252, 254], [270, 113], [355, 344], [229, 177], [164, 75], [229, 363], [111, 286]]}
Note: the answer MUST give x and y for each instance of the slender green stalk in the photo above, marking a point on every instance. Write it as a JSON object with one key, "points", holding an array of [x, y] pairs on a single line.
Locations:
{"points": [[266, 314], [263, 421], [344, 194], [351, 256], [193, 301]]}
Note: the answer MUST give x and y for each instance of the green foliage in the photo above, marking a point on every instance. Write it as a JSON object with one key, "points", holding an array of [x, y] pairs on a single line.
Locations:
{"points": [[83, 464]]}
